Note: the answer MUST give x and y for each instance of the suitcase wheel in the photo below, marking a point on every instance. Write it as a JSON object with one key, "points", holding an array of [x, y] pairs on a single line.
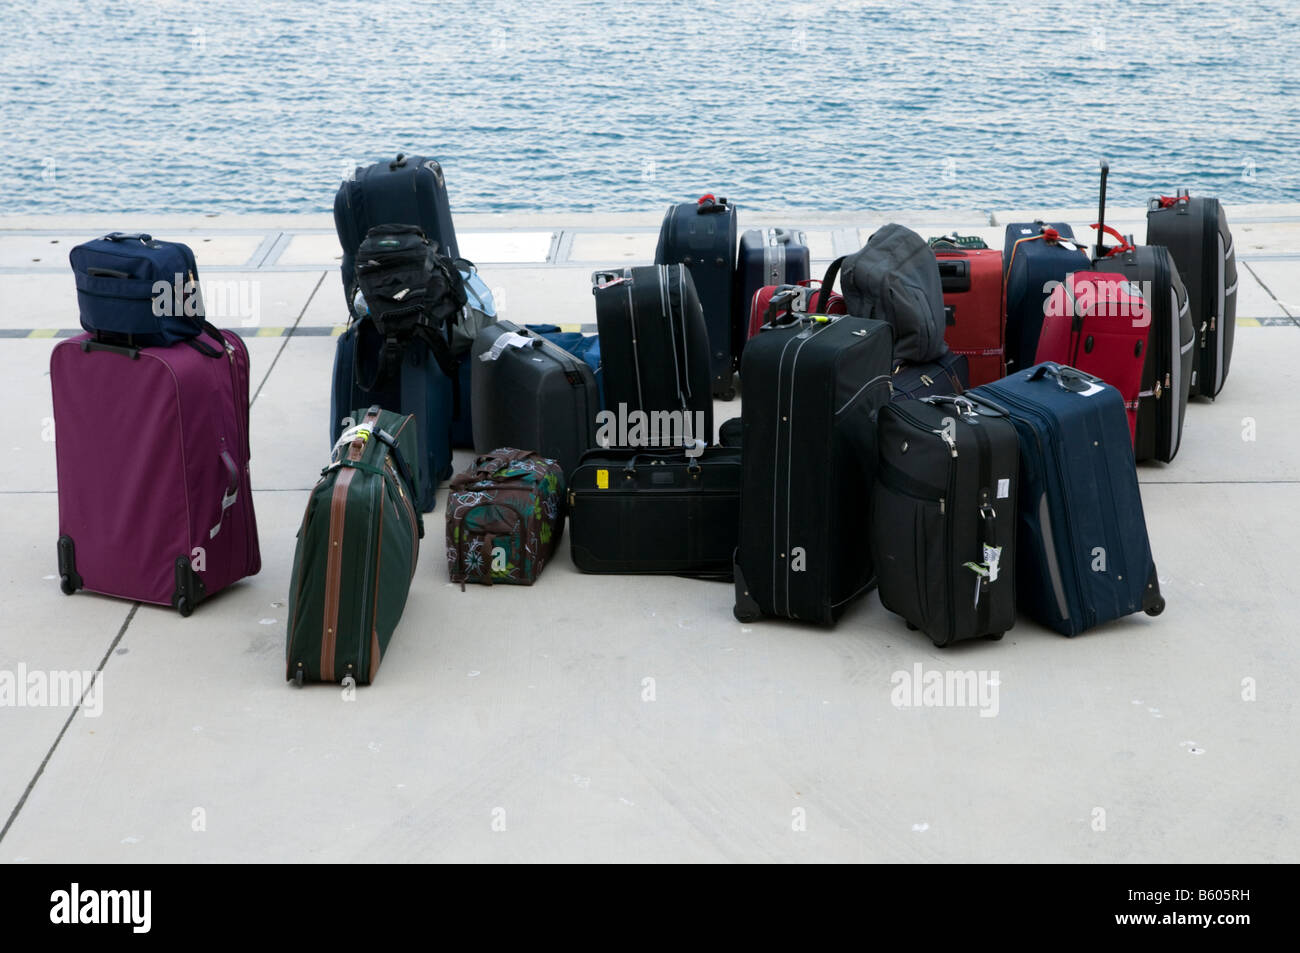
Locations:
{"points": [[996, 636], [65, 583], [726, 393], [298, 676], [1156, 607], [745, 615], [910, 627], [184, 607]]}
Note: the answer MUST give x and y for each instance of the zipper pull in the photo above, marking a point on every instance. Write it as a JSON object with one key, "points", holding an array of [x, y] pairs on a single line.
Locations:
{"points": [[941, 506], [1204, 325], [950, 440]]}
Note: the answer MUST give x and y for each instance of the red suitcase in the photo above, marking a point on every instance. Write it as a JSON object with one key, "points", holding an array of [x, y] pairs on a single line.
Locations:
{"points": [[155, 502], [808, 298], [1099, 323], [972, 297]]}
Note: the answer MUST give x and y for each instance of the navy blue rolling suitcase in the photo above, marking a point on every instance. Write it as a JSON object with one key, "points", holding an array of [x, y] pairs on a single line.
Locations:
{"points": [[1083, 557], [946, 377], [1035, 255], [462, 421], [421, 389], [408, 190], [768, 256], [702, 236]]}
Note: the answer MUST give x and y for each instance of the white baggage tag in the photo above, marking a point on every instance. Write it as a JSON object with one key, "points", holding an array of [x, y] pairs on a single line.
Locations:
{"points": [[992, 556], [509, 339]]}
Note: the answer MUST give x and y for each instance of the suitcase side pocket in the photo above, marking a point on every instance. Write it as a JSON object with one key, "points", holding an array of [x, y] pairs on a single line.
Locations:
{"points": [[908, 534]]}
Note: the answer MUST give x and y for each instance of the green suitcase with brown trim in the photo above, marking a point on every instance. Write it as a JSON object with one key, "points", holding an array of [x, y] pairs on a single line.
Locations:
{"points": [[356, 554]]}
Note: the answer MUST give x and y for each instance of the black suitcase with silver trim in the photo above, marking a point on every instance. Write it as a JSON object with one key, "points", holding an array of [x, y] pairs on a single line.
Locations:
{"points": [[812, 388]]}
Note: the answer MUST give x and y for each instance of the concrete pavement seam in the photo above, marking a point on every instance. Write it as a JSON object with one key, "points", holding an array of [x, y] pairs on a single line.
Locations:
{"points": [[1275, 298], [31, 785], [288, 337]]}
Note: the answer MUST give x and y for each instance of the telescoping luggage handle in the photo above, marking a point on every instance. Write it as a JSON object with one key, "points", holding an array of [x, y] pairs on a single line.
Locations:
{"points": [[132, 351], [1102, 228], [1101, 211]]}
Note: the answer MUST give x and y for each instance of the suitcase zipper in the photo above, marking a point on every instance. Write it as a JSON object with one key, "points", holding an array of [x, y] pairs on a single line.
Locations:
{"points": [[241, 432]]}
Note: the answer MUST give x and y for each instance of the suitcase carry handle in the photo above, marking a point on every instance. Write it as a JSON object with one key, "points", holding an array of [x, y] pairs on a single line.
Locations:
{"points": [[90, 344], [397, 163], [1070, 378], [600, 280], [707, 204], [784, 297], [967, 400], [692, 463], [142, 237], [1182, 199]]}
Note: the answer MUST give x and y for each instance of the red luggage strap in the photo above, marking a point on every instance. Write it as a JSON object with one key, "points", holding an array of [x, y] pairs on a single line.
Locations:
{"points": [[1124, 244], [1169, 201], [708, 202]]}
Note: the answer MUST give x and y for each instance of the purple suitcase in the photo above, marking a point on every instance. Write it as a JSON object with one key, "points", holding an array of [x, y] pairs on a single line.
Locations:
{"points": [[155, 502]]}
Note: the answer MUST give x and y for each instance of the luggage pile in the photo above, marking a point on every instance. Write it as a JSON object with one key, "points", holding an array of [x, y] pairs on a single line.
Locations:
{"points": [[953, 424]]}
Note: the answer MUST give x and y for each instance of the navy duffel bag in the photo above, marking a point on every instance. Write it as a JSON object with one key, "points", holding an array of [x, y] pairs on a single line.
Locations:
{"points": [[133, 287]]}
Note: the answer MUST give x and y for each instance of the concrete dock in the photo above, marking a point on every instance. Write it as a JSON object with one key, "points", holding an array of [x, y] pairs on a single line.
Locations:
{"points": [[632, 718]]}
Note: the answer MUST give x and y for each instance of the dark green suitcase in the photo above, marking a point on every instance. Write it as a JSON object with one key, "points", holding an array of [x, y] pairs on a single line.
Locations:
{"points": [[356, 555]]}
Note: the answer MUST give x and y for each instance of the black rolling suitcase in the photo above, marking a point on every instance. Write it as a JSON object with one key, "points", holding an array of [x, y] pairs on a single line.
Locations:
{"points": [[812, 388], [529, 393], [654, 347], [656, 511], [1195, 230], [768, 256], [1084, 557], [1167, 370], [949, 375], [702, 236], [408, 190], [943, 517]]}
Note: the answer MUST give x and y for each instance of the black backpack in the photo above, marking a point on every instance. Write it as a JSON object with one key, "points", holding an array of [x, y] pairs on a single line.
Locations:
{"points": [[895, 278], [409, 290]]}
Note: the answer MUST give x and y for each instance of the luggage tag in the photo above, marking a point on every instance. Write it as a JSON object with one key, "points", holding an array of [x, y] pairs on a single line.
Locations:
{"points": [[986, 572], [509, 339]]}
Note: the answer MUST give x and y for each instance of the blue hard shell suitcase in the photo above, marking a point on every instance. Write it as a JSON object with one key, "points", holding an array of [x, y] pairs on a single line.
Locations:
{"points": [[421, 390], [1083, 557], [1031, 262]]}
